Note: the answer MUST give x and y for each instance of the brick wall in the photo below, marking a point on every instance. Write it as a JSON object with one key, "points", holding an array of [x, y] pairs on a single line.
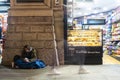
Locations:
{"points": [[34, 29]]}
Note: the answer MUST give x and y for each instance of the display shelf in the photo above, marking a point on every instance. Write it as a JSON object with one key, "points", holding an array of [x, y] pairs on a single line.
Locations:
{"points": [[116, 21], [84, 38], [87, 42], [115, 40]]}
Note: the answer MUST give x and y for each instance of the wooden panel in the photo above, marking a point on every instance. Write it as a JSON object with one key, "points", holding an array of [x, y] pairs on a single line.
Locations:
{"points": [[45, 4]]}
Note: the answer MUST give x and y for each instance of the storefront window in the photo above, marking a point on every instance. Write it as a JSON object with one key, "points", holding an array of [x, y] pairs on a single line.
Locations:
{"points": [[84, 36]]}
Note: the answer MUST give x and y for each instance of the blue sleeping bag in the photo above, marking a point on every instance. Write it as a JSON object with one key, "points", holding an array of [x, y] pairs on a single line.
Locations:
{"points": [[37, 64]]}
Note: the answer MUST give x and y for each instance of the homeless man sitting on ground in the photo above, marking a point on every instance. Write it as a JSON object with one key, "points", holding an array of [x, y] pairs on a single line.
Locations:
{"points": [[26, 64], [28, 59], [29, 52]]}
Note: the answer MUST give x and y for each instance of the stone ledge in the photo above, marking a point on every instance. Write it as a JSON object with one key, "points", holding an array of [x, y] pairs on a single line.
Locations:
{"points": [[29, 20], [24, 12]]}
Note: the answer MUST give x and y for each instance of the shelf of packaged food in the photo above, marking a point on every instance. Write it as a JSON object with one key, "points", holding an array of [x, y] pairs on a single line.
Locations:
{"points": [[116, 21], [84, 38], [115, 33], [115, 40], [114, 46], [84, 44]]}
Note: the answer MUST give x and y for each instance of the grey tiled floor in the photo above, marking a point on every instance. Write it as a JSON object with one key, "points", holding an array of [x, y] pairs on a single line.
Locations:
{"points": [[67, 72], [110, 70]]}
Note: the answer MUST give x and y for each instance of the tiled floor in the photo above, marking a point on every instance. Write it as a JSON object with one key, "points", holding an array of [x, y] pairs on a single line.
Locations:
{"points": [[110, 70], [110, 60]]}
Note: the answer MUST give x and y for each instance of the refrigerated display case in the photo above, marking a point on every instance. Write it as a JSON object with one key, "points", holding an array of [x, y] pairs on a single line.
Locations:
{"points": [[84, 38], [87, 42]]}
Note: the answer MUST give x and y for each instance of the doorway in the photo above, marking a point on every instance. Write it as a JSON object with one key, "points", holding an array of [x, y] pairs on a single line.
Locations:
{"points": [[75, 18]]}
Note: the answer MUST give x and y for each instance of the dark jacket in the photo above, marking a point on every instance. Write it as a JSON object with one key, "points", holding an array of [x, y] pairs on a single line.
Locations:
{"points": [[30, 55]]}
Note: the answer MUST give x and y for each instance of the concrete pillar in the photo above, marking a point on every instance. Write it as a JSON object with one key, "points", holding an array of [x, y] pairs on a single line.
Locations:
{"points": [[31, 23]]}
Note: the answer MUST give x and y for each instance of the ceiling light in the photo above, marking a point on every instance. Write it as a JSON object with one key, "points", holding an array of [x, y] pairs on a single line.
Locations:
{"points": [[95, 11], [101, 14], [118, 1], [93, 16], [105, 8], [80, 13], [96, 1], [89, 8], [85, 13]]}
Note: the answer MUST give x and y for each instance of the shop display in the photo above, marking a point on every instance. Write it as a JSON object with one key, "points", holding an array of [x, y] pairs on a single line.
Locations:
{"points": [[116, 32], [84, 38], [115, 40], [107, 35], [87, 42]]}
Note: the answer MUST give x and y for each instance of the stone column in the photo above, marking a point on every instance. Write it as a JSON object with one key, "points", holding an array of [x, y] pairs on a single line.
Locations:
{"points": [[31, 23], [59, 28]]}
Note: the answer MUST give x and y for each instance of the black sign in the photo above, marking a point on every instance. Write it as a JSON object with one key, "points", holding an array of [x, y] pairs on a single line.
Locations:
{"points": [[86, 50], [84, 55], [96, 21], [28, 1]]}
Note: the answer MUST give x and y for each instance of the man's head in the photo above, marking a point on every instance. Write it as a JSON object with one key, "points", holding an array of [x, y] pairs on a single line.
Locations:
{"points": [[27, 48]]}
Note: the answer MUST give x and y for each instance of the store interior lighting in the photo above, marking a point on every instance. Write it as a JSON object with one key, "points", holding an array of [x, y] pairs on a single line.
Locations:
{"points": [[105, 8], [101, 14], [94, 7]]}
